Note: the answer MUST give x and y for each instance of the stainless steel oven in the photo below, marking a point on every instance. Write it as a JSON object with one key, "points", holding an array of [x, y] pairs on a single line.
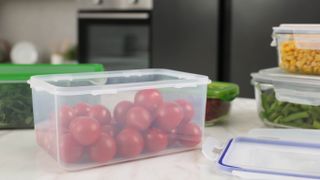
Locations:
{"points": [[116, 33]]}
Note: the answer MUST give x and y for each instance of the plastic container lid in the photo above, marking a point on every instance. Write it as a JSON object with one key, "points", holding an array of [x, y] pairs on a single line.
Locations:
{"points": [[306, 36], [19, 72], [269, 154], [294, 88], [297, 29], [222, 90], [112, 82]]}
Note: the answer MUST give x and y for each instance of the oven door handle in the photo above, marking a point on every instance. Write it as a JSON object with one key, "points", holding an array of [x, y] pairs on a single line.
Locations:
{"points": [[83, 15]]}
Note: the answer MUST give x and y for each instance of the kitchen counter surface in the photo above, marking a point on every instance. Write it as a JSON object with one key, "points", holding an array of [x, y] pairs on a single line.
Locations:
{"points": [[21, 158]]}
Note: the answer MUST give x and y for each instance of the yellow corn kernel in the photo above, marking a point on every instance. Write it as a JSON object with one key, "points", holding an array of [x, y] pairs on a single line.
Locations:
{"points": [[307, 69], [300, 64], [317, 57], [292, 69]]}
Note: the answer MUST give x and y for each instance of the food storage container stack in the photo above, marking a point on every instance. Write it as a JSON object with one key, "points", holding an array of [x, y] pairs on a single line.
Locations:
{"points": [[219, 98], [287, 100], [298, 47], [288, 96], [95, 119], [15, 93]]}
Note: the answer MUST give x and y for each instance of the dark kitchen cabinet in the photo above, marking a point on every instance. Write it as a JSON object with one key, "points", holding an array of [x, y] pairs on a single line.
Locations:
{"points": [[185, 36], [250, 28]]}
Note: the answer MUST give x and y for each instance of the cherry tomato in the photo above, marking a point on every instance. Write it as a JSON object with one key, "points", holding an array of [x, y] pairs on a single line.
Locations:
{"points": [[138, 118], [129, 143], [66, 114], [52, 148], [100, 113], [40, 134], [104, 149], [172, 137], [81, 109], [156, 140], [109, 129], [48, 140], [169, 116], [70, 150], [85, 130], [216, 108], [188, 110], [120, 111], [150, 99], [189, 135]]}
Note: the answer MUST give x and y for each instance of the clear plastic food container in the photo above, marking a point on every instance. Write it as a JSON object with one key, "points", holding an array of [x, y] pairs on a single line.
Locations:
{"points": [[92, 119], [219, 98], [287, 100], [298, 47], [15, 93]]}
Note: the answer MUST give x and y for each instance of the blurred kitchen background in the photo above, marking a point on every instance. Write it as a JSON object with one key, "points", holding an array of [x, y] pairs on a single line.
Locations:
{"points": [[224, 39]]}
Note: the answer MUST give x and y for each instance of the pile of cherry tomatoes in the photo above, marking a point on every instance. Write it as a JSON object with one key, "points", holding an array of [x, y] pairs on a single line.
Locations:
{"points": [[91, 133]]}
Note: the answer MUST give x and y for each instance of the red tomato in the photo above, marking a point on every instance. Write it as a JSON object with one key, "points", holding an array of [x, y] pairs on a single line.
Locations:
{"points": [[104, 149], [120, 111], [138, 118], [100, 113], [129, 143], [172, 137], [81, 109], [70, 150], [169, 116], [189, 135], [52, 149], [85, 130], [109, 129], [156, 140], [40, 134], [150, 99], [48, 140], [188, 110], [66, 114]]}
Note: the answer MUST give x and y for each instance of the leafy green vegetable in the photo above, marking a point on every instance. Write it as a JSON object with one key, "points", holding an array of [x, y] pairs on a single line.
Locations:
{"points": [[289, 114], [15, 106]]}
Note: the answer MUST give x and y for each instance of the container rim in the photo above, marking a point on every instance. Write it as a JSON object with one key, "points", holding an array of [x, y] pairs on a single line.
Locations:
{"points": [[41, 82], [293, 88], [276, 74], [297, 29]]}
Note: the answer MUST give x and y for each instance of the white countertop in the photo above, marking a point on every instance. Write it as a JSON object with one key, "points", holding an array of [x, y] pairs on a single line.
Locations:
{"points": [[21, 158]]}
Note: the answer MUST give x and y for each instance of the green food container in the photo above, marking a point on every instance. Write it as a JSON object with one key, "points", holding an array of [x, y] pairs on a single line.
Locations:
{"points": [[219, 97], [15, 93], [287, 100]]}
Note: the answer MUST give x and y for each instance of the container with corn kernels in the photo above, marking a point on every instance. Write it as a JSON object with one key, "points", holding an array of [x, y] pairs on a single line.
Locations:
{"points": [[298, 47]]}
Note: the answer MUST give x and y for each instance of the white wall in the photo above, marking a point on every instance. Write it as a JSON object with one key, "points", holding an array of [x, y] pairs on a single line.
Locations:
{"points": [[46, 23]]}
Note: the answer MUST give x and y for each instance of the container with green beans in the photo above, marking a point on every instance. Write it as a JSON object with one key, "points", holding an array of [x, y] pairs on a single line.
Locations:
{"points": [[287, 100], [15, 93]]}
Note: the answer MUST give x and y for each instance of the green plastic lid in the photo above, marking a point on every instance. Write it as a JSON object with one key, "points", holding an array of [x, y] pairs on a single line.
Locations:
{"points": [[23, 72], [223, 90]]}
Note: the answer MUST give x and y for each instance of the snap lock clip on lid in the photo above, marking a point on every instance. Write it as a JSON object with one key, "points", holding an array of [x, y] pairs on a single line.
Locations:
{"points": [[212, 148], [222, 90]]}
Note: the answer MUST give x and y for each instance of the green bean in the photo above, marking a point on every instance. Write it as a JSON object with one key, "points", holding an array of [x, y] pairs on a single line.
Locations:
{"points": [[289, 114]]}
